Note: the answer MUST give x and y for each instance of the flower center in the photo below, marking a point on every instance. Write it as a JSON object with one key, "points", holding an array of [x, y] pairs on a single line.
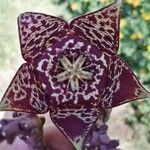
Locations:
{"points": [[73, 72]]}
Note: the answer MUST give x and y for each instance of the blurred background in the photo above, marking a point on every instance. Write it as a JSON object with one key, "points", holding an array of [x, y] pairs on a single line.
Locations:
{"points": [[131, 122]]}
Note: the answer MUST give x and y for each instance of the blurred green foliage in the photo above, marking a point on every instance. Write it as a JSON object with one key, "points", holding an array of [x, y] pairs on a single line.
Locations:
{"points": [[134, 47]]}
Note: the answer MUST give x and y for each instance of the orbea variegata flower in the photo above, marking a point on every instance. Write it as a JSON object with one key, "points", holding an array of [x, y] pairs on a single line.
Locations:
{"points": [[71, 70]]}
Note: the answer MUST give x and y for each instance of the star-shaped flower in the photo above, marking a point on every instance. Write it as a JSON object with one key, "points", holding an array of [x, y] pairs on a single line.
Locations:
{"points": [[71, 70]]}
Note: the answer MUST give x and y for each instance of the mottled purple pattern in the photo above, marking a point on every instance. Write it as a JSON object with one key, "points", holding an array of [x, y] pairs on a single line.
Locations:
{"points": [[38, 32], [77, 119], [122, 85], [75, 124], [25, 93], [108, 81], [49, 66], [101, 28]]}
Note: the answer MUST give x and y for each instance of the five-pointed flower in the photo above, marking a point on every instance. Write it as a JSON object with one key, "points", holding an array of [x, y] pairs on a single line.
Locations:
{"points": [[71, 70]]}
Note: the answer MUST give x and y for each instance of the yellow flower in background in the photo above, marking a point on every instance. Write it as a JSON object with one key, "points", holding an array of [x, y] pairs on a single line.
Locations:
{"points": [[74, 6], [145, 15], [121, 36], [148, 48], [136, 35], [103, 1], [123, 22], [142, 72], [135, 3]]}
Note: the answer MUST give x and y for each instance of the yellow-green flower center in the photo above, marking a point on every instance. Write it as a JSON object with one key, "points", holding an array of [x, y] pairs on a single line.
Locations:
{"points": [[73, 72]]}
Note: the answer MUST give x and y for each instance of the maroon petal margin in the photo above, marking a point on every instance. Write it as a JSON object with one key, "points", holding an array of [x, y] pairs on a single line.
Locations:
{"points": [[75, 124], [37, 32], [24, 93], [101, 28], [122, 85]]}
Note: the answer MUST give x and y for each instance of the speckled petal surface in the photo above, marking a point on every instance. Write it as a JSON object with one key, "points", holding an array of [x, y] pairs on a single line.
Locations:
{"points": [[75, 124], [122, 85], [60, 92], [37, 32], [24, 93], [101, 28]]}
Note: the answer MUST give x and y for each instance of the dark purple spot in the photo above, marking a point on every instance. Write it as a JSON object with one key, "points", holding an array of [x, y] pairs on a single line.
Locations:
{"points": [[113, 10], [108, 38], [43, 22], [39, 17], [34, 21]]}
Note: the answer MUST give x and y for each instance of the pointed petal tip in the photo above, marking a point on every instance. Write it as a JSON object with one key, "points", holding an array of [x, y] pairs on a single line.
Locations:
{"points": [[76, 125], [119, 3], [146, 93], [4, 105], [21, 16]]}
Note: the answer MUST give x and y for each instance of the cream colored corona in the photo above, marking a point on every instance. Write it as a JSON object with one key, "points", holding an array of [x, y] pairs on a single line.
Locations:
{"points": [[73, 72]]}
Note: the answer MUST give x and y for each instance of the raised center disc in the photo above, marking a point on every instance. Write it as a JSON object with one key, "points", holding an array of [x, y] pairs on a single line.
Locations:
{"points": [[73, 72]]}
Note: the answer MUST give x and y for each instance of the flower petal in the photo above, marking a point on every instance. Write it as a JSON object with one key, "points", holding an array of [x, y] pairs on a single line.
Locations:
{"points": [[123, 86], [37, 32], [100, 27], [75, 124], [24, 93]]}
